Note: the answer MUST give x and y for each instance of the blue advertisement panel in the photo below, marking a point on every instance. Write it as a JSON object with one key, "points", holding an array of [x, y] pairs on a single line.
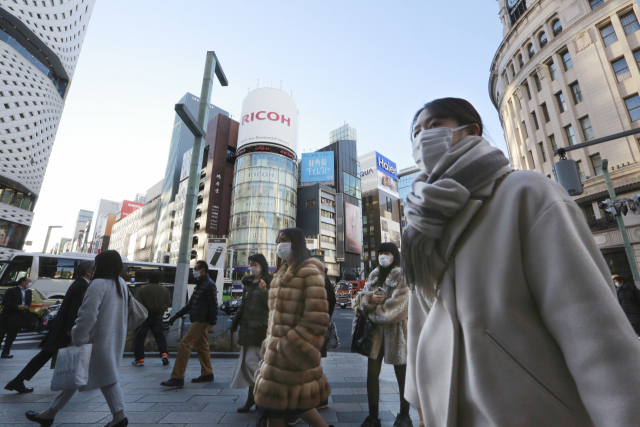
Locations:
{"points": [[317, 167], [386, 166]]}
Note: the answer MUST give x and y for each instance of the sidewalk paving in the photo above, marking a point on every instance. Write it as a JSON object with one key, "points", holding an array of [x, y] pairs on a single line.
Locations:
{"points": [[147, 403]]}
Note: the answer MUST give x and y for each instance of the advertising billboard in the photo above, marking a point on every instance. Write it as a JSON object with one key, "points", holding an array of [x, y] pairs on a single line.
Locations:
{"points": [[126, 208], [317, 167], [269, 116], [390, 232], [353, 228], [216, 253], [388, 184], [386, 166]]}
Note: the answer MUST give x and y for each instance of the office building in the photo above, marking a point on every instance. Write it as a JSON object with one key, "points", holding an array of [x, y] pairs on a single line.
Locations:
{"points": [[181, 141], [79, 226], [406, 177], [92, 233], [102, 232], [381, 206], [566, 73], [265, 176], [40, 45]]}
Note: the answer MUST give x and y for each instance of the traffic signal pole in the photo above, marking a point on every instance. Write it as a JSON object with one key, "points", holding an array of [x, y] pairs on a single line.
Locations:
{"points": [[623, 230]]}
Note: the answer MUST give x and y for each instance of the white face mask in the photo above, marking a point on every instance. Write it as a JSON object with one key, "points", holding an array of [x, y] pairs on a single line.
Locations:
{"points": [[386, 260], [284, 251], [256, 271], [196, 274], [617, 284], [430, 145]]}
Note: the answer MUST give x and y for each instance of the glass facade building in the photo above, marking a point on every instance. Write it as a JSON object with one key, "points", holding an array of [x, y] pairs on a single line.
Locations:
{"points": [[405, 179], [264, 202], [343, 133]]}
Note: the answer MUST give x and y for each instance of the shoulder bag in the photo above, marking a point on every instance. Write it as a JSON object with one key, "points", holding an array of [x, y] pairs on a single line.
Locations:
{"points": [[137, 314], [362, 342]]}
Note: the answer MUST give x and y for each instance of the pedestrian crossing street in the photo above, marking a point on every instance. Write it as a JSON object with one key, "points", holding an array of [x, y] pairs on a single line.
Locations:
{"points": [[27, 340]]}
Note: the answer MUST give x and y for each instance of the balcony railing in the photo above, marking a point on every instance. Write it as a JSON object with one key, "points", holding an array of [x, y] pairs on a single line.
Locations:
{"points": [[606, 223]]}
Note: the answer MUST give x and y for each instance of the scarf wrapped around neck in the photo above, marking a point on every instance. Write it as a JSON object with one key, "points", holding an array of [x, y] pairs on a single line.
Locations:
{"points": [[466, 167]]}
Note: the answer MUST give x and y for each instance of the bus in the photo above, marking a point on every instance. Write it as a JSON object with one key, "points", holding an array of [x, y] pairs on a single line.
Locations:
{"points": [[52, 275]]}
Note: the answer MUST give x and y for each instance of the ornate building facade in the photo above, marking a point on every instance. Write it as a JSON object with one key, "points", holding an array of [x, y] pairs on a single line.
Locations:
{"points": [[565, 73]]}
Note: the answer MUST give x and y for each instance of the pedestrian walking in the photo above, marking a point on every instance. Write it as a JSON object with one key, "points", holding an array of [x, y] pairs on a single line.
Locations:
{"points": [[156, 299], [629, 299], [102, 321], [252, 317], [385, 302], [59, 335], [513, 317], [290, 380], [15, 313], [203, 311]]}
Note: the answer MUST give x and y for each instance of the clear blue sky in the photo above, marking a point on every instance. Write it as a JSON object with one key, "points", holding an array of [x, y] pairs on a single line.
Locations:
{"points": [[371, 64]]}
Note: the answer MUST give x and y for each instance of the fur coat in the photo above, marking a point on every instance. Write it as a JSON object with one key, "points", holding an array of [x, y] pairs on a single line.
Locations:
{"points": [[291, 376], [390, 317]]}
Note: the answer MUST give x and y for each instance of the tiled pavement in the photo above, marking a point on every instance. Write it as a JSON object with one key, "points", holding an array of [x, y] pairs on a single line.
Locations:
{"points": [[214, 403]]}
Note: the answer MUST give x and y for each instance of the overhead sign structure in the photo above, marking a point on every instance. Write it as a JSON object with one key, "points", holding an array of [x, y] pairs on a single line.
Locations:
{"points": [[317, 167], [216, 253], [269, 116]]}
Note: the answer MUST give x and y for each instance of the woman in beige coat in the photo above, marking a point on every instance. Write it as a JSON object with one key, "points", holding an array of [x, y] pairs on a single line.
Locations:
{"points": [[291, 381], [513, 319]]}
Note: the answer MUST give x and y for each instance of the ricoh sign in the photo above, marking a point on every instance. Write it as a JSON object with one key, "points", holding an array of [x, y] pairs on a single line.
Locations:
{"points": [[269, 116]]}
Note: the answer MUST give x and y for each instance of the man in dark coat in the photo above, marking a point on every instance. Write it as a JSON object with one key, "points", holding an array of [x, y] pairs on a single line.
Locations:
{"points": [[59, 335], [629, 299], [203, 311], [156, 298], [15, 313]]}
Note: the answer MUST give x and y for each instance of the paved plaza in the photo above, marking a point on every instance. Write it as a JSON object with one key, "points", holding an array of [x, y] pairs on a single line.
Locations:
{"points": [[196, 404]]}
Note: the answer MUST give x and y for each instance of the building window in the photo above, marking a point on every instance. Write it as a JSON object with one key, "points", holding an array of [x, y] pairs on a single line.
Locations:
{"points": [[543, 39], [633, 106], [311, 203], [557, 27], [608, 35], [513, 70], [545, 112], [533, 162], [389, 205], [566, 60], [587, 130], [621, 69], [526, 85], [351, 185], [531, 50], [595, 3], [581, 170], [520, 60], [630, 23], [561, 102], [571, 137], [538, 82], [576, 92], [524, 130], [535, 120], [552, 141], [544, 155], [596, 162], [552, 70]]}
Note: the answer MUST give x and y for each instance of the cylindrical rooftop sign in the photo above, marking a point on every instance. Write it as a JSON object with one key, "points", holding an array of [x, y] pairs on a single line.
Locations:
{"points": [[269, 116]]}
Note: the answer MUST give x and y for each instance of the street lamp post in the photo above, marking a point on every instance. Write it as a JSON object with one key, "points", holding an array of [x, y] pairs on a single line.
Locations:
{"points": [[46, 242], [212, 66]]}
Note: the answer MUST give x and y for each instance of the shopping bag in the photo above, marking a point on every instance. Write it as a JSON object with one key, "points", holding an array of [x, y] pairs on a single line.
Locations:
{"points": [[362, 342], [333, 341], [72, 367], [137, 314]]}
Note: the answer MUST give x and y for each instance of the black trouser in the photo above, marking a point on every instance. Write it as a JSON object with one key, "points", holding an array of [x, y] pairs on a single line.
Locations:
{"points": [[35, 364], [8, 327], [373, 384], [155, 325]]}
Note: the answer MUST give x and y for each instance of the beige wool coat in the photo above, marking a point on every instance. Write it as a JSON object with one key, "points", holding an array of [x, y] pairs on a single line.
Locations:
{"points": [[291, 376], [390, 316], [526, 329]]}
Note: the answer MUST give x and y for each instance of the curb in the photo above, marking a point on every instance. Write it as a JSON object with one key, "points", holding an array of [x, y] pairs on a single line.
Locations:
{"points": [[216, 355]]}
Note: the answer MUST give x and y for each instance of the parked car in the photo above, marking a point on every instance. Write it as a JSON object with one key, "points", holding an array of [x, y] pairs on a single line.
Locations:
{"points": [[231, 306], [38, 308]]}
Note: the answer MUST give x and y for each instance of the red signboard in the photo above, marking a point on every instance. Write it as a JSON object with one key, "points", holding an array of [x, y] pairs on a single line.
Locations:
{"points": [[126, 208]]}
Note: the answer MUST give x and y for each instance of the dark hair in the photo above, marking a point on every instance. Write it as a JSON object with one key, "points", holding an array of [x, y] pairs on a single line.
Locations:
{"points": [[154, 276], [22, 279], [202, 265], [298, 244], [84, 266], [109, 266], [457, 109], [619, 279], [384, 271], [264, 265]]}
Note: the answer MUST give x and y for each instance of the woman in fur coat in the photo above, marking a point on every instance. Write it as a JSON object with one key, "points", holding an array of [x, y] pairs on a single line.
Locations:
{"points": [[385, 301], [290, 380]]}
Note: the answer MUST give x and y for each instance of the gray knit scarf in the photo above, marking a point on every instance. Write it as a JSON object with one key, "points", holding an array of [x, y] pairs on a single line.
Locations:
{"points": [[469, 165]]}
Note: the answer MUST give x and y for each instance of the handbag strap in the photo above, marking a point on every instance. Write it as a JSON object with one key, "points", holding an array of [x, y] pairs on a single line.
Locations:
{"points": [[465, 233]]}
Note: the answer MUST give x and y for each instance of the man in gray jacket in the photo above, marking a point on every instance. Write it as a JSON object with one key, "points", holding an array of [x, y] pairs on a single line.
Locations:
{"points": [[203, 311]]}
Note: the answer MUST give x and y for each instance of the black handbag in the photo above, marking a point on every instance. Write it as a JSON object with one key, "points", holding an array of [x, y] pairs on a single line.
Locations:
{"points": [[362, 342]]}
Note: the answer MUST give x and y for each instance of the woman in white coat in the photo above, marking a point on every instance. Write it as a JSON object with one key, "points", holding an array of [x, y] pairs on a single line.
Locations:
{"points": [[102, 321], [513, 318]]}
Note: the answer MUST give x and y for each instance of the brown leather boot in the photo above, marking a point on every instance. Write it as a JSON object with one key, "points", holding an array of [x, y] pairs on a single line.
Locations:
{"points": [[250, 402]]}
